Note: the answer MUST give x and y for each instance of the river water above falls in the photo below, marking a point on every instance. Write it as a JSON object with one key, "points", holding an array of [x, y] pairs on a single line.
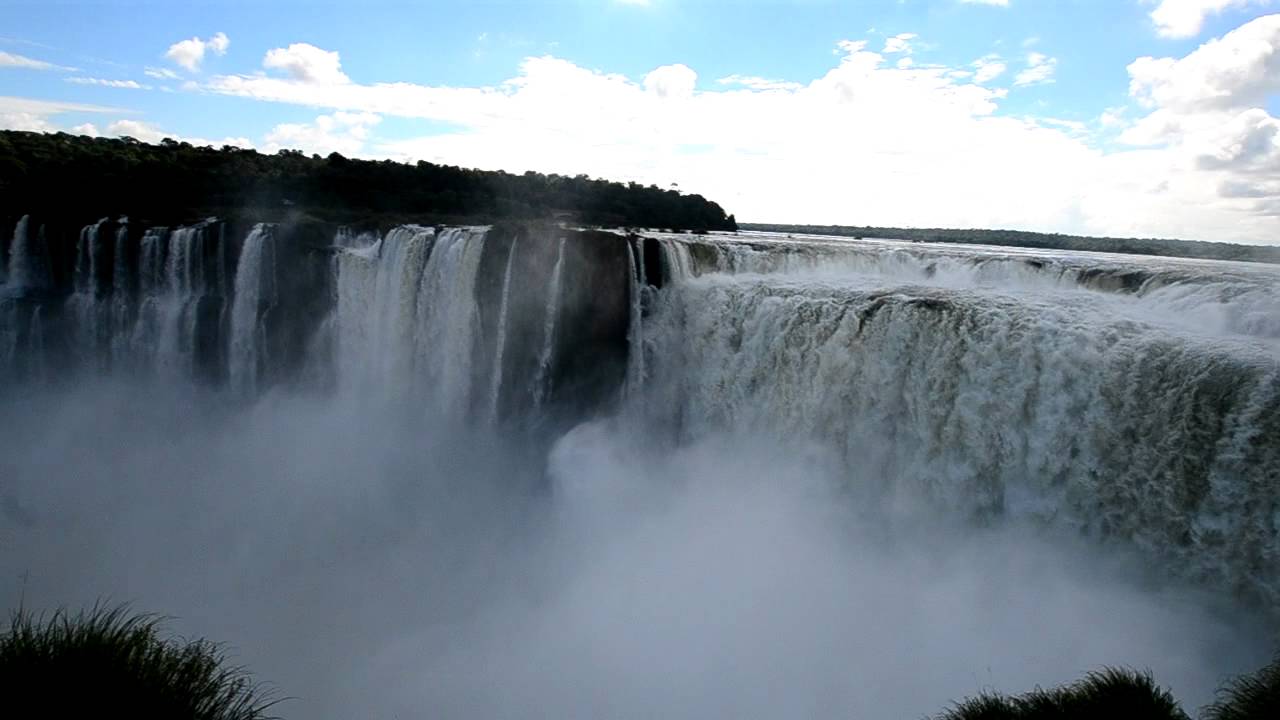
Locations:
{"points": [[512, 470]]}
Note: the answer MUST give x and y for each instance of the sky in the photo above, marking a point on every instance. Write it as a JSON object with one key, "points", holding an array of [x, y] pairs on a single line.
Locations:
{"points": [[1101, 117]]}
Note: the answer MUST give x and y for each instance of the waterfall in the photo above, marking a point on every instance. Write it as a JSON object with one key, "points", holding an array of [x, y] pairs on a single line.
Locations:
{"points": [[542, 376], [255, 294], [28, 258], [448, 318], [88, 304], [634, 382], [495, 384], [1035, 405], [376, 307], [123, 301], [677, 260]]}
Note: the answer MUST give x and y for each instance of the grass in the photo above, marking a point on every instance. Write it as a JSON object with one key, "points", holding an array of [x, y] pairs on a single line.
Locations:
{"points": [[1104, 694], [1248, 697], [109, 661]]}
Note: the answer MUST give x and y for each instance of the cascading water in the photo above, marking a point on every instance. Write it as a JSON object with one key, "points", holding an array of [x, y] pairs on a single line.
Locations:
{"points": [[1132, 398], [541, 378], [28, 259], [88, 304], [868, 449], [634, 384], [495, 383], [255, 294], [1064, 405]]}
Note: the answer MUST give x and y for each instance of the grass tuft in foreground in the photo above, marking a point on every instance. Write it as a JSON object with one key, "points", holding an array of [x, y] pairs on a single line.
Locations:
{"points": [[109, 661], [1104, 694], [1248, 697]]}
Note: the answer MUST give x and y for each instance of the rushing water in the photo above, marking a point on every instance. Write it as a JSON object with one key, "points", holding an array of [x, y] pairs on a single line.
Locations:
{"points": [[828, 477]]}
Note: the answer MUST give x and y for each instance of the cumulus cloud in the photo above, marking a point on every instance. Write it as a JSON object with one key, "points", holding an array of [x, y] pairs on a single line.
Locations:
{"points": [[1039, 70], [1185, 18], [671, 81], [190, 53], [342, 132], [860, 144], [1206, 110], [1240, 69], [307, 63], [128, 84]]}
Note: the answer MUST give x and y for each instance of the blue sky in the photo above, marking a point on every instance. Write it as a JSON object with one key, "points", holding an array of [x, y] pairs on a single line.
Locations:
{"points": [[857, 127]]}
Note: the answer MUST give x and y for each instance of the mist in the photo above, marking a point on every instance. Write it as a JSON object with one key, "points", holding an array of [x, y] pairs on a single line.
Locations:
{"points": [[384, 564]]}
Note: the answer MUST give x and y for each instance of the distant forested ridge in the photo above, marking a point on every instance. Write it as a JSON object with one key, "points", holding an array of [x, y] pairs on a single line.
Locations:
{"points": [[1053, 241], [177, 182]]}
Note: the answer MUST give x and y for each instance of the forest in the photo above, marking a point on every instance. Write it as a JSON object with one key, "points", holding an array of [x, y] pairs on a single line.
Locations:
{"points": [[174, 181], [1051, 241]]}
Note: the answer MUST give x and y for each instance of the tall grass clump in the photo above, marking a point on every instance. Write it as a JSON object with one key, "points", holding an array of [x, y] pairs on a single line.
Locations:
{"points": [[1248, 697], [1109, 693], [109, 661]]}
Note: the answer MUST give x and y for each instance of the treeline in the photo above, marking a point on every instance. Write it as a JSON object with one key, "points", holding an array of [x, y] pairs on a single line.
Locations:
{"points": [[1052, 241], [176, 181]]}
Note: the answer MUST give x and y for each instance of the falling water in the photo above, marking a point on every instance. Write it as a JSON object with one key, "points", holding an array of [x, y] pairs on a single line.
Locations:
{"points": [[255, 295], [541, 378], [28, 266], [495, 384], [447, 319], [634, 383]]}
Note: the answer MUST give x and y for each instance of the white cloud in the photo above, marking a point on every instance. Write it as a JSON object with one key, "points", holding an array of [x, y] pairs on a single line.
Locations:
{"points": [[1205, 111], [307, 63], [148, 133], [128, 84], [861, 144], [35, 115], [342, 132], [999, 3], [1113, 117], [671, 81], [988, 68], [86, 129], [1185, 18], [190, 53], [160, 73], [1039, 70], [11, 60], [1240, 69], [900, 43]]}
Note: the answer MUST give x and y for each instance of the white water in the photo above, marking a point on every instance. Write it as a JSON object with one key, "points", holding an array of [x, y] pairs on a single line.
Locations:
{"points": [[1054, 402], [846, 483], [542, 377], [634, 384], [90, 315], [255, 294], [495, 383], [28, 268], [406, 310]]}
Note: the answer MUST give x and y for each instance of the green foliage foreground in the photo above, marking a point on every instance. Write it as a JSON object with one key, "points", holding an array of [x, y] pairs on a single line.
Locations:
{"points": [[111, 662], [1115, 693], [1108, 693]]}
